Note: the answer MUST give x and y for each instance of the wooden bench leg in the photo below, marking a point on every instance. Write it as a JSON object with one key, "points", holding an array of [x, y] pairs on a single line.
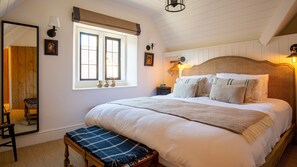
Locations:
{"points": [[66, 161], [86, 163], [156, 159]]}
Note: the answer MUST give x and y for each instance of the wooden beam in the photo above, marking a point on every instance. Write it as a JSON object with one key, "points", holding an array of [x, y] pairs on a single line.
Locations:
{"points": [[282, 16]]}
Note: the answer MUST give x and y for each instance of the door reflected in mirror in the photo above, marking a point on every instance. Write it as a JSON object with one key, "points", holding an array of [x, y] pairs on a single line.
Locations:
{"points": [[20, 76]]}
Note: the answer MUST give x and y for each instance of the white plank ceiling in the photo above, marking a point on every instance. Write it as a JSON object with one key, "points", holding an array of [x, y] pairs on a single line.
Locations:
{"points": [[208, 22], [203, 22]]}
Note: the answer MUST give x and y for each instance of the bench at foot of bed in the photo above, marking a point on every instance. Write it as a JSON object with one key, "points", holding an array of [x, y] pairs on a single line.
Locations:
{"points": [[100, 147]]}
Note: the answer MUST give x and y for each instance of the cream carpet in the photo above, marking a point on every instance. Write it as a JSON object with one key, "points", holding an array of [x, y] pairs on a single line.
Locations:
{"points": [[51, 154]]}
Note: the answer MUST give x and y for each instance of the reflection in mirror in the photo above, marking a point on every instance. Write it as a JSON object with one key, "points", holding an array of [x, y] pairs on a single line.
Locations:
{"points": [[20, 75]]}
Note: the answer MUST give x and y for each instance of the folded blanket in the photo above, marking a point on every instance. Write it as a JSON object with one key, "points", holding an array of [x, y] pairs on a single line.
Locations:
{"points": [[251, 124], [112, 149]]}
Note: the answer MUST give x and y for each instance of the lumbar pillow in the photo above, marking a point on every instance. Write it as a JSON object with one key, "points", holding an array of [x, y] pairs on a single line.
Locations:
{"points": [[228, 93], [249, 83], [184, 90]]}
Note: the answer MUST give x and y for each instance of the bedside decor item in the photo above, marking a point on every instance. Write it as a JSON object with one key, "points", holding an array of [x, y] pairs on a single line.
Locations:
{"points": [[175, 5], [113, 83], [99, 84], [293, 54], [162, 85], [55, 22], [106, 83], [50, 47], [148, 59]]}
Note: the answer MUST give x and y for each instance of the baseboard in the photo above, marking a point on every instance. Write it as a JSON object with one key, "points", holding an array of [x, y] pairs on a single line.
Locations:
{"points": [[43, 136]]}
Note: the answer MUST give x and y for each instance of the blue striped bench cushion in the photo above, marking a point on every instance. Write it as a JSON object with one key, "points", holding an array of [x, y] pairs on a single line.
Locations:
{"points": [[110, 148]]}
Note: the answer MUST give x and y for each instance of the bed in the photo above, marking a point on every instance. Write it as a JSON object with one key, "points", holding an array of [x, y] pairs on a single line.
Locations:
{"points": [[186, 143]]}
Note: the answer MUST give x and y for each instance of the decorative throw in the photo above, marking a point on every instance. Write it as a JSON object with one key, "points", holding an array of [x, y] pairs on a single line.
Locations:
{"points": [[251, 124], [112, 149]]}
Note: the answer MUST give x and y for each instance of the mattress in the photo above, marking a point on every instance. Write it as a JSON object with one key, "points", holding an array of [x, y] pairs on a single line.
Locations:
{"points": [[185, 143]]}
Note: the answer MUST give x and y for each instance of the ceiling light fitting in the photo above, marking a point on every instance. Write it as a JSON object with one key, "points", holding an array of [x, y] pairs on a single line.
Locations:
{"points": [[175, 5]]}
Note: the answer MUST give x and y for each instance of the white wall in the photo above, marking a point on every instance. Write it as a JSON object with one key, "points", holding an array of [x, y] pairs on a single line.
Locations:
{"points": [[62, 108], [276, 51]]}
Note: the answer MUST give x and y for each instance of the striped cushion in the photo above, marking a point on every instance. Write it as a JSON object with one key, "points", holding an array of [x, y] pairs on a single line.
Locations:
{"points": [[112, 149], [201, 82], [249, 83]]}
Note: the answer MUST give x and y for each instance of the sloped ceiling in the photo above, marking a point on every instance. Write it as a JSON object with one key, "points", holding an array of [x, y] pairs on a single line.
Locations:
{"points": [[203, 22], [208, 22], [7, 5]]}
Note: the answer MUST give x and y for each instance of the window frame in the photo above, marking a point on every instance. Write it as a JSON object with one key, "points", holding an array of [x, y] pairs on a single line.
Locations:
{"points": [[119, 58], [128, 57], [97, 57]]}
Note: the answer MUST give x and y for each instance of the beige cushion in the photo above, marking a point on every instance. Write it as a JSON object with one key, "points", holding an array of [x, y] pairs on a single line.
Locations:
{"points": [[249, 83], [228, 93], [184, 90], [201, 83], [261, 89], [205, 90]]}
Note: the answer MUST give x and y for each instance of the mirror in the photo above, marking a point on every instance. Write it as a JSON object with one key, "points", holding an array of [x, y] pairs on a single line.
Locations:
{"points": [[20, 76]]}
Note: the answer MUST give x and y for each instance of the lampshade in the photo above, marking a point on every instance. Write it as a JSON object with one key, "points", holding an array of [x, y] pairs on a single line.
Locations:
{"points": [[175, 5], [177, 64], [54, 21]]}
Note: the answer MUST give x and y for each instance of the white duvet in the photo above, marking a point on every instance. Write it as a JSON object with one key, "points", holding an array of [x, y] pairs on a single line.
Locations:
{"points": [[185, 143]]}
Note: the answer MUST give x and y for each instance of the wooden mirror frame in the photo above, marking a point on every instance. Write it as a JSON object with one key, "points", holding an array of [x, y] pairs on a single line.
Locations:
{"points": [[37, 72]]}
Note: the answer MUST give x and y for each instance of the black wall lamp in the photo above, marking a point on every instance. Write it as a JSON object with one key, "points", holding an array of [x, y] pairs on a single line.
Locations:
{"points": [[150, 46], [177, 65], [293, 54], [175, 5], [55, 22], [180, 60]]}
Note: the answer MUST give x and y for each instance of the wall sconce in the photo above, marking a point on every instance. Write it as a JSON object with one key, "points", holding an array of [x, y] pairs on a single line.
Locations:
{"points": [[150, 46], [179, 61], [293, 54], [177, 64], [55, 22]]}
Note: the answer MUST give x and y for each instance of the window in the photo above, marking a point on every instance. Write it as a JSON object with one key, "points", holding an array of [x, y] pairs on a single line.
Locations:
{"points": [[88, 56], [101, 54], [112, 58]]}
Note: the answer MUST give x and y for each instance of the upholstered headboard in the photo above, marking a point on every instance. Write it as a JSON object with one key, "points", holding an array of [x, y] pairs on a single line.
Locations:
{"points": [[281, 83]]}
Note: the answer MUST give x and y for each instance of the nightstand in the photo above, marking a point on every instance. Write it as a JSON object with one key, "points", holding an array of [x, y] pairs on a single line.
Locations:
{"points": [[163, 90]]}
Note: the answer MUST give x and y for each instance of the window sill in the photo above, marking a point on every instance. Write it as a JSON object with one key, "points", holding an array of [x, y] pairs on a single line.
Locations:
{"points": [[106, 88]]}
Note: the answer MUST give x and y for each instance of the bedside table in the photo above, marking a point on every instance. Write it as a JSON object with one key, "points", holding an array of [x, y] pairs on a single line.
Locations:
{"points": [[163, 90]]}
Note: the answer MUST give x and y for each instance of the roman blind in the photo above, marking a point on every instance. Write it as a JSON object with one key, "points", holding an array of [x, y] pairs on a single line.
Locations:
{"points": [[96, 19]]}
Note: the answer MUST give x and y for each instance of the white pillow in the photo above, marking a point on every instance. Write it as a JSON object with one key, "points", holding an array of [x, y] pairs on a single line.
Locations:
{"points": [[207, 86], [261, 89], [184, 90]]}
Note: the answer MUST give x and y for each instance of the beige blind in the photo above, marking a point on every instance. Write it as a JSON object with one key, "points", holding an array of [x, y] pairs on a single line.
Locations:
{"points": [[92, 18]]}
